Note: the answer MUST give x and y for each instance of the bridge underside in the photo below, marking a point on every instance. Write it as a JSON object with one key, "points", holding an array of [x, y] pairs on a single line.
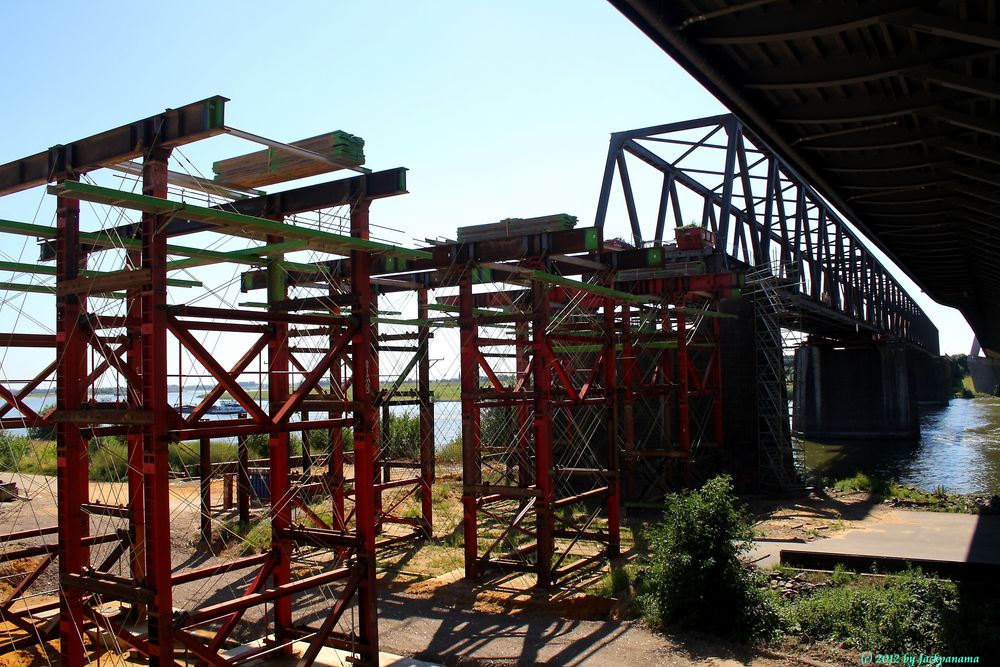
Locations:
{"points": [[887, 107]]}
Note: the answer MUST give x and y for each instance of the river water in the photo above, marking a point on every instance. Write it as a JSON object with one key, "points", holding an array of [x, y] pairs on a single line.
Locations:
{"points": [[959, 449]]}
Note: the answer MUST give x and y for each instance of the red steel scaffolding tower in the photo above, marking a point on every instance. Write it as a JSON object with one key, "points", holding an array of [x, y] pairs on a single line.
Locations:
{"points": [[338, 544]]}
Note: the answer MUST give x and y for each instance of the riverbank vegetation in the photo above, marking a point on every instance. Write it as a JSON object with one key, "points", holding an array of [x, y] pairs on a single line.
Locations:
{"points": [[898, 495], [693, 577], [108, 456]]}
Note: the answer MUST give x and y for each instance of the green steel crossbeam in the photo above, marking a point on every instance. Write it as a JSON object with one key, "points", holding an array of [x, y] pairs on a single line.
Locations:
{"points": [[706, 313], [106, 241], [251, 256], [433, 322], [599, 290], [17, 267], [237, 224], [50, 289], [445, 308], [576, 349]]}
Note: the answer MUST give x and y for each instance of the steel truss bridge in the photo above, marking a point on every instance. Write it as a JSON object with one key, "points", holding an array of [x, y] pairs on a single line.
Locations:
{"points": [[715, 173], [888, 107]]}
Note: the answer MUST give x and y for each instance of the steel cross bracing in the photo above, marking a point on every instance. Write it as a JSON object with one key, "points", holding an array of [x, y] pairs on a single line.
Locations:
{"points": [[116, 573], [775, 462], [715, 174], [539, 427], [887, 107]]}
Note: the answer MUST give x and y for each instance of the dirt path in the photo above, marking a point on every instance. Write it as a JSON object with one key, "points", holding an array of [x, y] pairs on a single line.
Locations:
{"points": [[446, 624], [435, 630]]}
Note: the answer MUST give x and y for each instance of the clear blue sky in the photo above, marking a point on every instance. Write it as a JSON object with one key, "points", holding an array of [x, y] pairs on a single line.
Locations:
{"points": [[498, 109]]}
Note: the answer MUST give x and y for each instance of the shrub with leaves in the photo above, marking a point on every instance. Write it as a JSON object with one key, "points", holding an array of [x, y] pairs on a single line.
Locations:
{"points": [[13, 448], [46, 432], [694, 577], [908, 613], [402, 440]]}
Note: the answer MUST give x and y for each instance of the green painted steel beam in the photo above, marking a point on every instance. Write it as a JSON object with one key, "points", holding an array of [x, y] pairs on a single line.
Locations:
{"points": [[247, 226], [445, 308], [50, 289], [250, 256], [433, 322], [108, 241], [39, 269], [656, 345], [599, 290], [706, 313]]}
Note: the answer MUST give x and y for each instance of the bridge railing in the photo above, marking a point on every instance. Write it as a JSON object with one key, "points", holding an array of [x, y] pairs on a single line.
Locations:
{"points": [[712, 172]]}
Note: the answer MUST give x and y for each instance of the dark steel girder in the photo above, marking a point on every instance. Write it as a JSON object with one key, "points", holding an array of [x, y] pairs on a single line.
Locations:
{"points": [[963, 120], [948, 27], [826, 19], [946, 105], [173, 127], [850, 69], [864, 107], [377, 185], [387, 183], [875, 138], [963, 83]]}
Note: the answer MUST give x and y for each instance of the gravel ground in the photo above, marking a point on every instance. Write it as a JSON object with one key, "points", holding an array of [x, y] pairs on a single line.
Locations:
{"points": [[443, 626]]}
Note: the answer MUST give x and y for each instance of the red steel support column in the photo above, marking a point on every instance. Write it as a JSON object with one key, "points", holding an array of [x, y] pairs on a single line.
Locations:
{"points": [[683, 384], [611, 407], [70, 446], [717, 380], [278, 392], [471, 434], [365, 384], [243, 481], [628, 407], [205, 475], [524, 472], [155, 462], [136, 490], [543, 433], [426, 416], [335, 463]]}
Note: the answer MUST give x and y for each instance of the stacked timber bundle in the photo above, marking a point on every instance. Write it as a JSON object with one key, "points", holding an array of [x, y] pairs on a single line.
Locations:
{"points": [[273, 165], [517, 227]]}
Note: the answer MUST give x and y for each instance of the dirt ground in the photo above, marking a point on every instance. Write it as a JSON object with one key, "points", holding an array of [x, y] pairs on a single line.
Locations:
{"points": [[427, 610]]}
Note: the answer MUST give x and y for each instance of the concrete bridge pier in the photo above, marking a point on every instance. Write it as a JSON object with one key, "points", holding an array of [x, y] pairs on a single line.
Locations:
{"points": [[850, 393]]}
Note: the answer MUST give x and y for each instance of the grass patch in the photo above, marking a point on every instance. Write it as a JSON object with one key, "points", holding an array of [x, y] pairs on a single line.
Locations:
{"points": [[451, 452], [938, 500], [616, 580], [860, 482], [909, 613]]}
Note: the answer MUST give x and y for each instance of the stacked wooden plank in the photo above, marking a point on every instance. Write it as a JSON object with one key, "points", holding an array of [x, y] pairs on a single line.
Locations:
{"points": [[517, 227], [274, 165]]}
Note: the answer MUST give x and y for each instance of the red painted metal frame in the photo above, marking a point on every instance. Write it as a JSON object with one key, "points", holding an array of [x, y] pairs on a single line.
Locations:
{"points": [[547, 391], [682, 379], [71, 449], [145, 368]]}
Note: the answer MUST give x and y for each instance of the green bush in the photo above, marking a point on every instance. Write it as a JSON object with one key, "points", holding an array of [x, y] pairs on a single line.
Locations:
{"points": [[257, 446], [13, 448], [497, 427], [46, 432], [694, 577], [860, 482], [108, 459], [905, 614], [451, 452], [402, 440]]}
